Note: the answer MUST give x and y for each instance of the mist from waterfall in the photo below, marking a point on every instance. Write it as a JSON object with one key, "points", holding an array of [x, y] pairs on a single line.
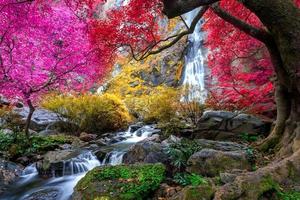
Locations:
{"points": [[193, 79]]}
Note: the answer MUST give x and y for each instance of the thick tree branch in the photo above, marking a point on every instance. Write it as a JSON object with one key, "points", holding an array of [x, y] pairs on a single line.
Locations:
{"points": [[174, 8], [257, 33]]}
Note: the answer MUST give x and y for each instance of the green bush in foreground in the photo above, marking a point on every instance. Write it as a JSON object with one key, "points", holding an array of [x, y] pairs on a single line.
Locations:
{"points": [[17, 144], [121, 182]]}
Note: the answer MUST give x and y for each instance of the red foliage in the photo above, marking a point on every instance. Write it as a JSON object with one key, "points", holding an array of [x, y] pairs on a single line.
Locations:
{"points": [[240, 65], [130, 25]]}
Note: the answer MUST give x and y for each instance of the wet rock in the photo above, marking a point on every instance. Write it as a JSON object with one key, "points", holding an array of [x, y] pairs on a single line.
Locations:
{"points": [[9, 172], [54, 162], [101, 154], [87, 137], [210, 162], [45, 194], [101, 142], [135, 127], [146, 152]]}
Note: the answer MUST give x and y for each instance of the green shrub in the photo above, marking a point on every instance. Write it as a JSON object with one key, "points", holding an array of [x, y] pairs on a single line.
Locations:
{"points": [[93, 113], [185, 179], [17, 144], [288, 195], [124, 182], [180, 152], [248, 138]]}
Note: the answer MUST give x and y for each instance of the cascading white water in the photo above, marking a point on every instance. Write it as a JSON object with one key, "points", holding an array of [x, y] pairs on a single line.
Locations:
{"points": [[131, 136], [31, 186], [194, 70]]}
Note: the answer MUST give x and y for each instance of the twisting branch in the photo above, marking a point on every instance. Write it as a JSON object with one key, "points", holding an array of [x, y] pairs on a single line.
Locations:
{"points": [[259, 34], [190, 30], [174, 8]]}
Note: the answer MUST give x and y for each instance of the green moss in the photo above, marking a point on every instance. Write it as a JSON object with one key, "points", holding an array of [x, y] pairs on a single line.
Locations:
{"points": [[121, 182], [203, 192]]}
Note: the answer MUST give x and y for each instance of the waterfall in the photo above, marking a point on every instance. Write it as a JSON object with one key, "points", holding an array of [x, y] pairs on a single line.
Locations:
{"points": [[194, 70]]}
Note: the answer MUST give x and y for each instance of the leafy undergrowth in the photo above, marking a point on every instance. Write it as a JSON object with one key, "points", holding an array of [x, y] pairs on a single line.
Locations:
{"points": [[288, 195], [17, 144], [121, 182], [180, 152], [185, 179]]}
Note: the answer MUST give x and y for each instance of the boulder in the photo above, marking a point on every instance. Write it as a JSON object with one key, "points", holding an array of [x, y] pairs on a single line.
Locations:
{"points": [[211, 162], [54, 162], [227, 125], [41, 118], [146, 152], [9, 172], [120, 182], [87, 137]]}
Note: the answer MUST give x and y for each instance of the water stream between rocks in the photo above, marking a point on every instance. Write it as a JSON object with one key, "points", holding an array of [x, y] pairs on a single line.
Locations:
{"points": [[31, 186]]}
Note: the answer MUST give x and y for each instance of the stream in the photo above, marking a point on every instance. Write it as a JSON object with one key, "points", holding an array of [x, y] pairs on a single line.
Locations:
{"points": [[31, 186]]}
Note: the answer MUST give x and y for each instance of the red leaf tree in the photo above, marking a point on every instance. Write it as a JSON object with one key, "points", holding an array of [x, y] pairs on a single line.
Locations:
{"points": [[44, 46]]}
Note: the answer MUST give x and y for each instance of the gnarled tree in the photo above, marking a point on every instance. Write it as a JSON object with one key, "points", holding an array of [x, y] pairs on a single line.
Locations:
{"points": [[280, 34]]}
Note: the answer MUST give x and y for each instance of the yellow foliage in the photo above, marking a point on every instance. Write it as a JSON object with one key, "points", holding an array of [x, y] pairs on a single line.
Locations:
{"points": [[162, 105], [93, 113]]}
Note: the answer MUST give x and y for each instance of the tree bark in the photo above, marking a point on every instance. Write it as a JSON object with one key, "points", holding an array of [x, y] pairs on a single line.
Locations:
{"points": [[28, 120]]}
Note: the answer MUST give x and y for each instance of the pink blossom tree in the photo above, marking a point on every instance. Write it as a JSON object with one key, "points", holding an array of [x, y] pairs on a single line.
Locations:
{"points": [[44, 47]]}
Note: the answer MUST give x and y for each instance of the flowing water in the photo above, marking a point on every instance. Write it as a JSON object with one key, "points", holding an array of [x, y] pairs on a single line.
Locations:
{"points": [[194, 69], [31, 186]]}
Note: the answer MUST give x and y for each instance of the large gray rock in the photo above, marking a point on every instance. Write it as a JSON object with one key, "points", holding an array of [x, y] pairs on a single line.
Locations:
{"points": [[223, 124], [41, 118], [9, 172], [145, 152], [210, 162], [54, 163]]}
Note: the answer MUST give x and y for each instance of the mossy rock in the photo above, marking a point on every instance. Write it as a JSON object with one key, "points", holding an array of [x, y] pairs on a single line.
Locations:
{"points": [[202, 192], [123, 182]]}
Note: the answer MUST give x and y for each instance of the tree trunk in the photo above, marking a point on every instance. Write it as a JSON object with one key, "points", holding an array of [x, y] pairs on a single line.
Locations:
{"points": [[28, 120], [282, 19]]}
